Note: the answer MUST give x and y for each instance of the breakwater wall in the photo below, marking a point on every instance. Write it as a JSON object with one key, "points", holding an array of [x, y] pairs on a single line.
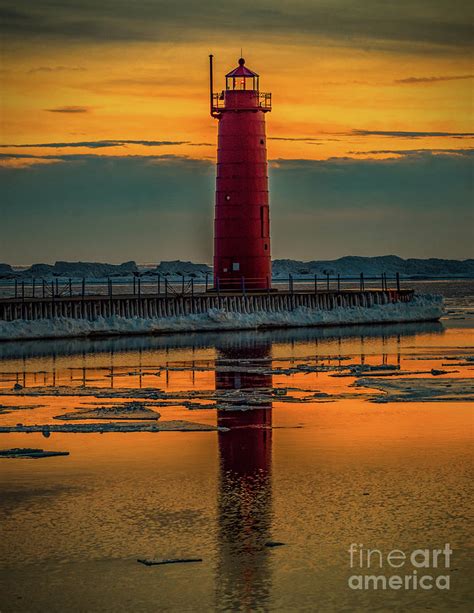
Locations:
{"points": [[91, 308]]}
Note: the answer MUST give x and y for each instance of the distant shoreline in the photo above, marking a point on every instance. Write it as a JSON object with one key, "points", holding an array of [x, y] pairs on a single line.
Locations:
{"points": [[347, 268]]}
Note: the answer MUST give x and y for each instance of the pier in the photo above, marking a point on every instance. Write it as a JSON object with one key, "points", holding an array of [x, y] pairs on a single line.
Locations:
{"points": [[148, 306]]}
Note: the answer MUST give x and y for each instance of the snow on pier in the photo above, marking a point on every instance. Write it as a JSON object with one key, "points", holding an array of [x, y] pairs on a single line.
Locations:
{"points": [[94, 315]]}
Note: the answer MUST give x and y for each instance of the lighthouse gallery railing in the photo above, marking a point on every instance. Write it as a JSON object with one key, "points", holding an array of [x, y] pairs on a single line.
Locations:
{"points": [[264, 101]]}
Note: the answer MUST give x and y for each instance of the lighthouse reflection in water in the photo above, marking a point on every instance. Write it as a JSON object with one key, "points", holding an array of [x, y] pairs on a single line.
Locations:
{"points": [[244, 495]]}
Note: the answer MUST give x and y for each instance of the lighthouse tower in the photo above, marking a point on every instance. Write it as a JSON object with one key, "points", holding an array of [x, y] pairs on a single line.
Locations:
{"points": [[242, 222]]}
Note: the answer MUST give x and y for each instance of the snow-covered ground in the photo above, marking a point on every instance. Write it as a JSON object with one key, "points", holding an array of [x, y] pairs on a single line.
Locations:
{"points": [[348, 266], [422, 308], [352, 266]]}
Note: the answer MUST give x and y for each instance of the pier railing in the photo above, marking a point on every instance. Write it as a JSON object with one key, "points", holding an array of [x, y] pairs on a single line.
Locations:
{"points": [[161, 285]]}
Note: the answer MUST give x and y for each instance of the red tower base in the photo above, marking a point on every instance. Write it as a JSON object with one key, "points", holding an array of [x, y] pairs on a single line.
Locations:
{"points": [[242, 257]]}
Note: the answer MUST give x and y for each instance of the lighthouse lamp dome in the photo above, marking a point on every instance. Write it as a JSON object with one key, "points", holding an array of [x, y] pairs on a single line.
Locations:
{"points": [[242, 78]]}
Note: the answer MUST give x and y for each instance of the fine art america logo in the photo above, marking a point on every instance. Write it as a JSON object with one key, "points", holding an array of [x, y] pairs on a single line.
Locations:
{"points": [[399, 570]]}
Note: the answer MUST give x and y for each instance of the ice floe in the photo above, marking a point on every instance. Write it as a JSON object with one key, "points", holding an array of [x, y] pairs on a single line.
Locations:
{"points": [[4, 408], [162, 426], [28, 452], [126, 410], [160, 562], [420, 389]]}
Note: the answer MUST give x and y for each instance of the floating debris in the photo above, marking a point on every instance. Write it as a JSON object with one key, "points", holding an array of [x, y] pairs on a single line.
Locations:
{"points": [[150, 562], [273, 544], [27, 452]]}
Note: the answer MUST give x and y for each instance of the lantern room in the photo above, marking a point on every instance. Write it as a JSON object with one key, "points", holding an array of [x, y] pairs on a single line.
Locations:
{"points": [[242, 91], [242, 78]]}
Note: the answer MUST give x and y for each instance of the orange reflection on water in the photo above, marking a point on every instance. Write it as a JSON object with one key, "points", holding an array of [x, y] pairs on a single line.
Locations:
{"points": [[316, 475]]}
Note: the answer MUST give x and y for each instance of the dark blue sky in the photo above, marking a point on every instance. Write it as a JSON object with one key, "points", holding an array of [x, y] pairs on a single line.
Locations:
{"points": [[98, 207]]}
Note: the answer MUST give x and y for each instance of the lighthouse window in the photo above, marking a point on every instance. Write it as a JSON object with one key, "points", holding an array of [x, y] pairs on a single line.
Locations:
{"points": [[235, 266], [227, 197], [265, 246], [262, 142]]}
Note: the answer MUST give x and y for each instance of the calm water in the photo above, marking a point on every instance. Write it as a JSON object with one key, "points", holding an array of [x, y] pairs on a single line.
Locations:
{"points": [[318, 466]]}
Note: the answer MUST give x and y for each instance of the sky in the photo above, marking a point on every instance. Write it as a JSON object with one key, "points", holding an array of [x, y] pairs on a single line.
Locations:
{"points": [[107, 149]]}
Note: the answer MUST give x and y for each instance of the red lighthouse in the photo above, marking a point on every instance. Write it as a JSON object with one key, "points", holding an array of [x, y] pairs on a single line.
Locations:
{"points": [[242, 221]]}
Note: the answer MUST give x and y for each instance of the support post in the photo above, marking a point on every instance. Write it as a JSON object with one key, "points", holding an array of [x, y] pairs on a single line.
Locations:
{"points": [[243, 285], [33, 287], [158, 289], [110, 298], [338, 282], [398, 281], [207, 281], [70, 287]]}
